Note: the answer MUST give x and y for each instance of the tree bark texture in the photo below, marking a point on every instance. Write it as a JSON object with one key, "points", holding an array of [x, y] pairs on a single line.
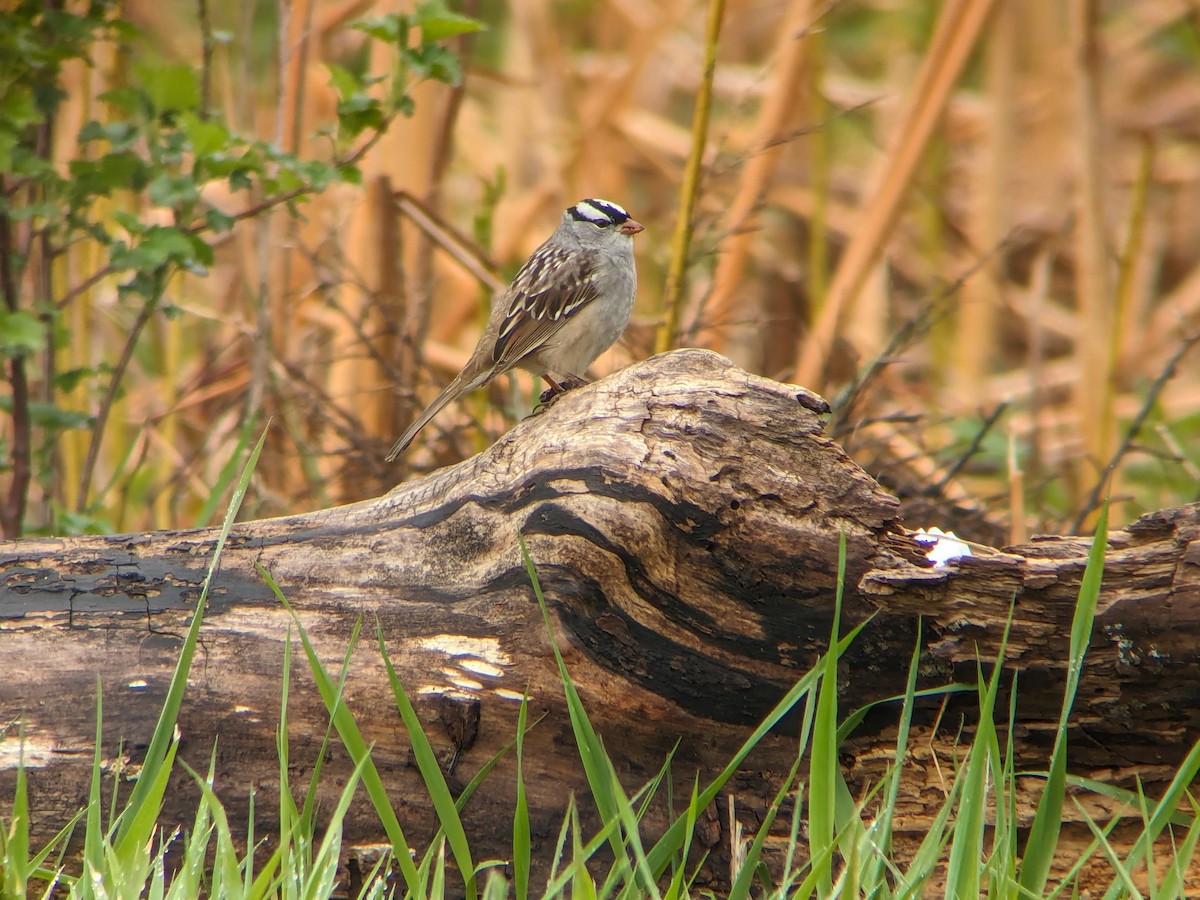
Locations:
{"points": [[684, 518]]}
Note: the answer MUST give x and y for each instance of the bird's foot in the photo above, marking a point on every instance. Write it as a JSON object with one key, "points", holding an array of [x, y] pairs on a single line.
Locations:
{"points": [[558, 388]]}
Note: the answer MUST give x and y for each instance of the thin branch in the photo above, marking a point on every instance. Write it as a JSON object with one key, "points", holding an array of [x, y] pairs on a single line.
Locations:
{"points": [[13, 512], [206, 54], [255, 209], [465, 251], [1168, 372], [972, 448], [905, 335]]}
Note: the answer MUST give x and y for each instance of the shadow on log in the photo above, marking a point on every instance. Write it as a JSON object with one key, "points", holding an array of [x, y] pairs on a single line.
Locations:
{"points": [[684, 517]]}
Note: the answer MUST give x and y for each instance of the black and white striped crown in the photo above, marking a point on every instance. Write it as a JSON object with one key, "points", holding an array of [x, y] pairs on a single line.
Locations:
{"points": [[598, 212]]}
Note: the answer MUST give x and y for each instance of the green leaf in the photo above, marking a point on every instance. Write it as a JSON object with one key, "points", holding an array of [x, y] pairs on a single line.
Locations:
{"points": [[160, 244], [345, 82], [127, 98], [49, 416], [205, 135], [170, 87], [21, 332], [54, 418], [8, 143], [128, 220], [173, 190], [240, 180], [432, 61], [17, 109], [392, 28], [119, 170], [68, 380], [438, 23], [120, 133], [218, 221], [202, 255]]}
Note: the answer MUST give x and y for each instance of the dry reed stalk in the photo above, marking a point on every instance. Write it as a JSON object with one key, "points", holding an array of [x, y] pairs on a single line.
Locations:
{"points": [[1018, 532], [266, 301], [672, 300], [296, 55], [1094, 393], [821, 151], [975, 333], [592, 160], [1178, 307], [1035, 360], [958, 29], [1123, 299], [82, 83], [629, 68], [774, 120]]}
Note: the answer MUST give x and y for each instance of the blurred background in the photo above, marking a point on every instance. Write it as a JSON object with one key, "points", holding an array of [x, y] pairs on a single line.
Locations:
{"points": [[971, 226]]}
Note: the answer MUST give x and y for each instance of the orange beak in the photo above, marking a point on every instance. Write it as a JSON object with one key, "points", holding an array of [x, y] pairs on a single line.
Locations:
{"points": [[631, 227]]}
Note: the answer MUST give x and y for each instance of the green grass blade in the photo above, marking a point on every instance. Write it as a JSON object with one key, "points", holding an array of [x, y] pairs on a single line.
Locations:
{"points": [[596, 766], [356, 746], [1120, 794], [1068, 878], [16, 836], [225, 476], [164, 731], [575, 871], [929, 854], [1047, 821], [660, 854], [1123, 884], [521, 831], [325, 864], [431, 774], [966, 849], [131, 857], [745, 878], [1163, 812], [1176, 874], [1001, 865], [225, 858], [675, 889], [824, 769], [560, 845], [875, 876]]}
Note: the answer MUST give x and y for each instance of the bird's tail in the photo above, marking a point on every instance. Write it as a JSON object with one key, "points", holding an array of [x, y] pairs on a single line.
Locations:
{"points": [[453, 390]]}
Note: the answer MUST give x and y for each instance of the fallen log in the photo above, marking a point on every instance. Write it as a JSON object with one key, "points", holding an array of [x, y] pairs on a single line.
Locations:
{"points": [[684, 518]]}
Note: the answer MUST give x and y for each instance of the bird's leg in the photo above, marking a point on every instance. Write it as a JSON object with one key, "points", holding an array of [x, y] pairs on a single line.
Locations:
{"points": [[557, 388]]}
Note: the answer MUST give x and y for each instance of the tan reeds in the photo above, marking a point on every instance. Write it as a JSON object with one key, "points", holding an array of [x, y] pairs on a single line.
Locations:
{"points": [[1093, 283], [955, 36], [778, 108], [1072, 222], [672, 300]]}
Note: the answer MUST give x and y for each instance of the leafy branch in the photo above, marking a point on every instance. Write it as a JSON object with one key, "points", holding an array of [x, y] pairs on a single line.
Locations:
{"points": [[162, 146]]}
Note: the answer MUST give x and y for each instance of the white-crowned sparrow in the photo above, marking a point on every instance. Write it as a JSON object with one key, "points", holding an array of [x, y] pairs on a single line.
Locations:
{"points": [[568, 304]]}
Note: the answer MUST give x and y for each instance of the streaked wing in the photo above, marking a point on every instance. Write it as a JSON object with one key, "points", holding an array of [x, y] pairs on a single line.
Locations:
{"points": [[552, 286]]}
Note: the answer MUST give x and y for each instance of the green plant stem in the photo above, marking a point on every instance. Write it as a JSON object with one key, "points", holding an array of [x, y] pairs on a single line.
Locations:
{"points": [[110, 395], [680, 242]]}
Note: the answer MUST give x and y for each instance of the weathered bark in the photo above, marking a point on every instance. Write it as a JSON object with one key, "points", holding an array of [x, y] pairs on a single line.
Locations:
{"points": [[684, 517]]}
